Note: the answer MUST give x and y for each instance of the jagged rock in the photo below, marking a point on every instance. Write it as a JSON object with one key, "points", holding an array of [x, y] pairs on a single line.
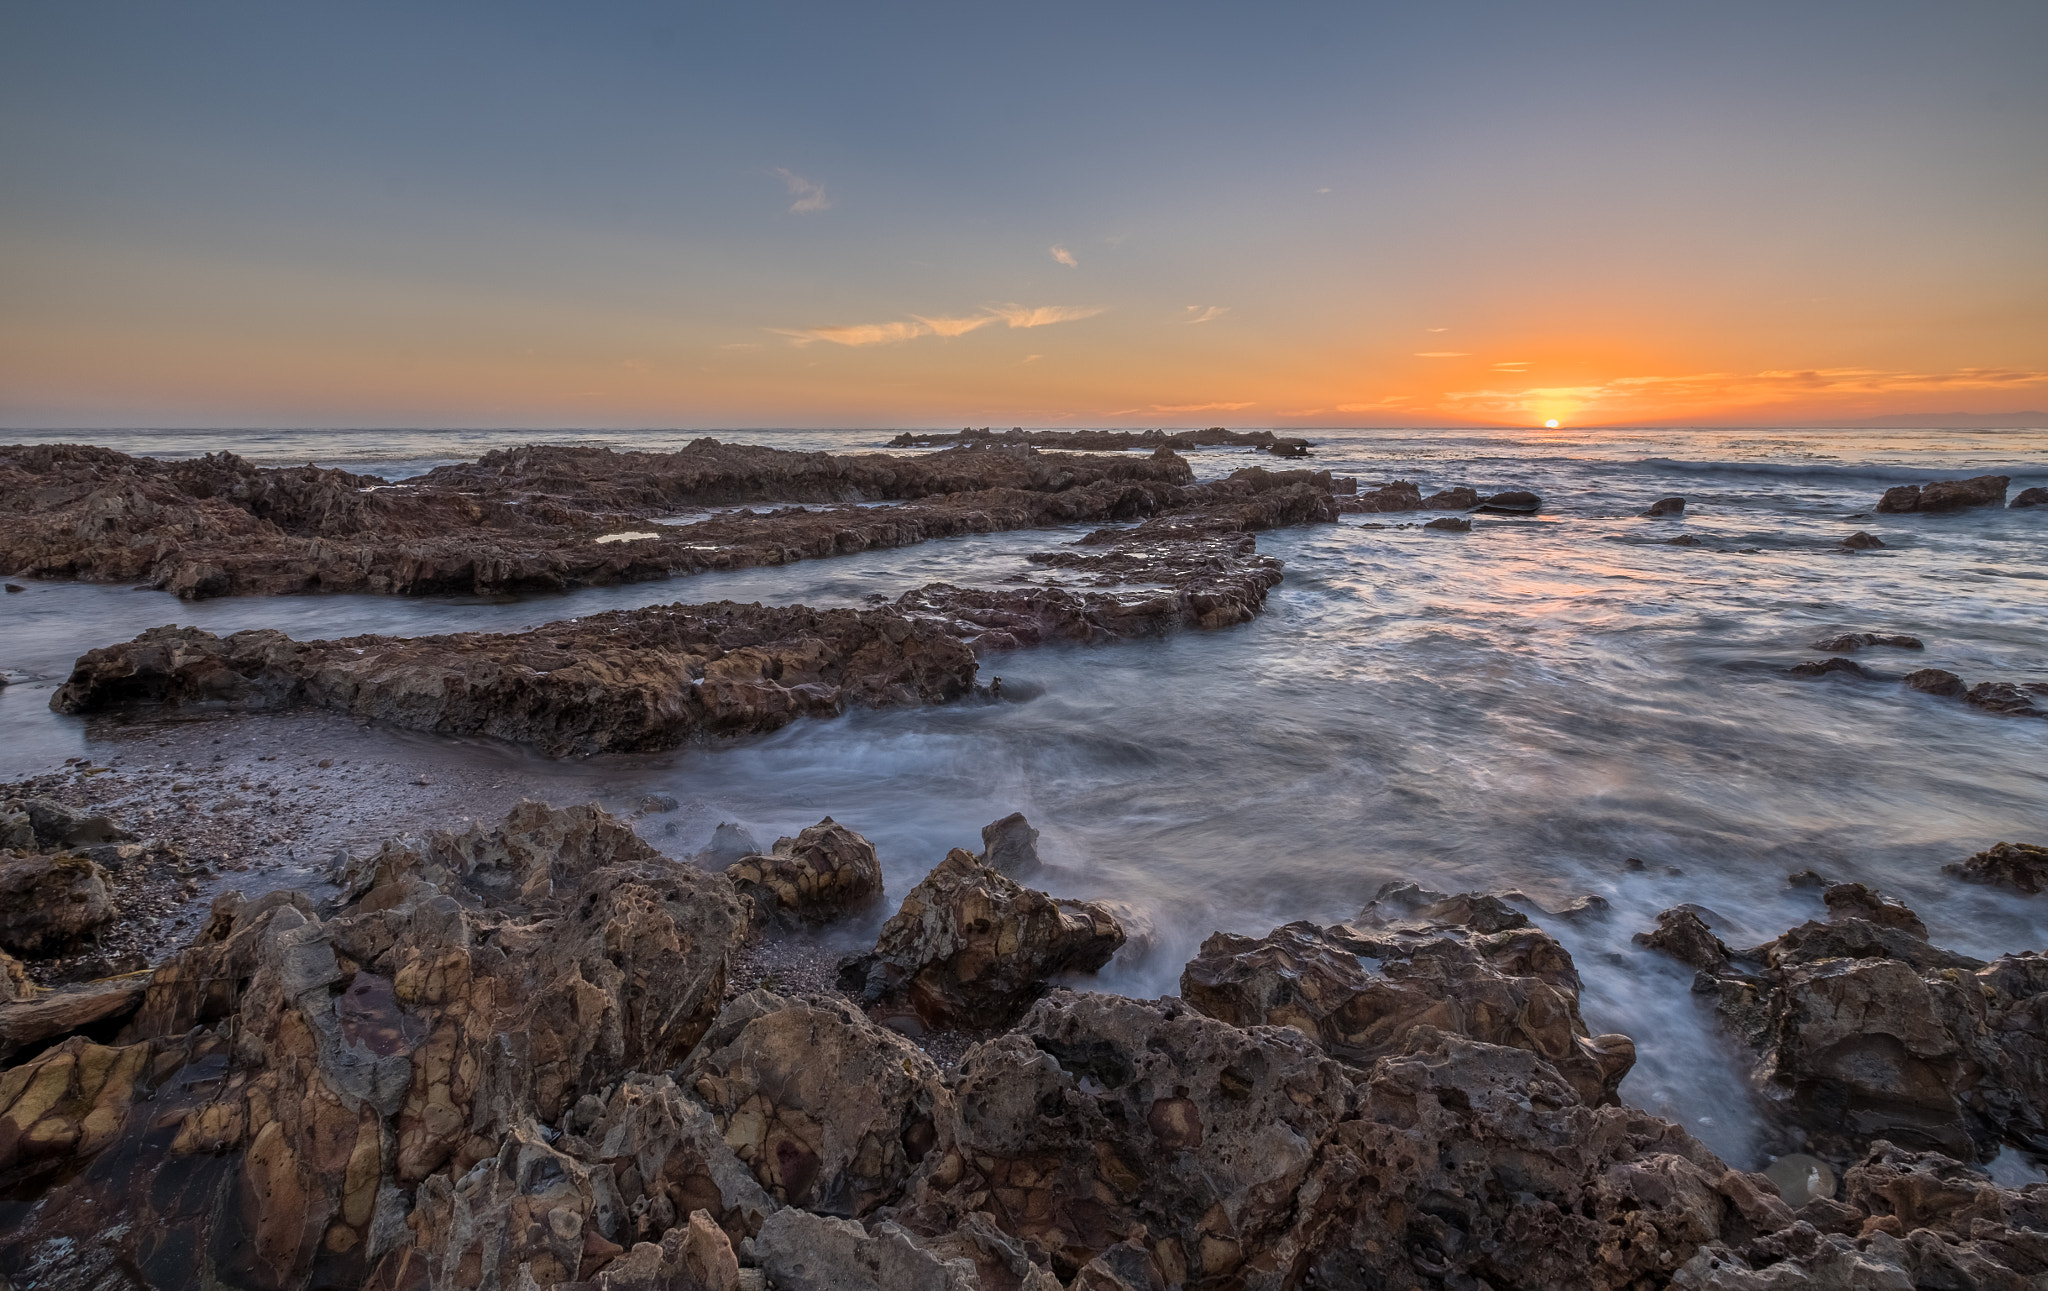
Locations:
{"points": [[1936, 681], [1849, 641], [1468, 965], [50, 905], [1814, 669], [831, 1112], [1945, 495], [1685, 937], [1469, 1164], [821, 874], [1925, 1221], [802, 1252], [1861, 541], [697, 1256], [1401, 495], [2025, 699], [69, 1101], [472, 987], [729, 842], [1662, 507], [2017, 867], [1450, 524], [970, 947], [1512, 502], [1102, 1119], [1010, 846], [1865, 1030], [2036, 496], [1458, 498]]}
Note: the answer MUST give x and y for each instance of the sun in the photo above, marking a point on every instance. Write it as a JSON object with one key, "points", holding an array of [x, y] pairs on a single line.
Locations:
{"points": [[1551, 424]]}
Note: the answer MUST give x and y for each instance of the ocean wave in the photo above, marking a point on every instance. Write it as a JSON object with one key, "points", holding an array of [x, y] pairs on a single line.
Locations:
{"points": [[1822, 472]]}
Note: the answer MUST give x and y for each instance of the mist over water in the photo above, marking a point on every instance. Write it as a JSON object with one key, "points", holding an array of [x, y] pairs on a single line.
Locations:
{"points": [[1522, 708]]}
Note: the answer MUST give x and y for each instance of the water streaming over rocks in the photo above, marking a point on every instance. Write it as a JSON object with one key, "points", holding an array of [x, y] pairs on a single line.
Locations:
{"points": [[1561, 705]]}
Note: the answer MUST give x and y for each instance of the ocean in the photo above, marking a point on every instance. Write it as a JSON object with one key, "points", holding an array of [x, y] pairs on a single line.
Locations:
{"points": [[1525, 708]]}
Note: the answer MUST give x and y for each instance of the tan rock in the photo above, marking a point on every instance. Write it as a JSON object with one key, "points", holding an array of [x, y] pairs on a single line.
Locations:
{"points": [[971, 947], [51, 904], [824, 872]]}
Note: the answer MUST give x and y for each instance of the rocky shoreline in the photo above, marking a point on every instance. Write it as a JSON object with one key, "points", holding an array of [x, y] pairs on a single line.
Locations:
{"points": [[522, 1055]]}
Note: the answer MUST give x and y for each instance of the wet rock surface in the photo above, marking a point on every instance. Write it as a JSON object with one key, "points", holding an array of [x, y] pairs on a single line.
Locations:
{"points": [[1664, 507], [2016, 867], [1944, 495], [1862, 1029], [538, 518], [1851, 641], [1465, 965], [2036, 496], [971, 947]]}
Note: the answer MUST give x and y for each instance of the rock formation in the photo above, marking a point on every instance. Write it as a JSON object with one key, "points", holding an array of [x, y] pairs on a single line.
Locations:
{"points": [[816, 877], [2036, 496], [2016, 867], [1664, 507], [1849, 641], [1467, 965], [973, 948], [1862, 1029], [1944, 495], [1105, 440], [50, 905], [1512, 502]]}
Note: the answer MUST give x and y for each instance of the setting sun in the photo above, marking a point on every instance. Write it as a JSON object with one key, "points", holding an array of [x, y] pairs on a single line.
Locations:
{"points": [[1552, 423]]}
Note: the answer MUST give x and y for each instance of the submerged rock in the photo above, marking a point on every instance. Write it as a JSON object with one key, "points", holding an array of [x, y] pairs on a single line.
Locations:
{"points": [[1466, 965], [2016, 867], [1450, 524], [1662, 507], [2036, 496], [1459, 498], [1936, 681], [1849, 641], [2009, 699], [1945, 495], [1825, 667], [1861, 541], [972, 948], [1512, 502]]}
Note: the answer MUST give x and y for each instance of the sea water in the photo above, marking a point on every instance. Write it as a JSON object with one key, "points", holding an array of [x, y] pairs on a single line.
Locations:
{"points": [[1527, 707]]}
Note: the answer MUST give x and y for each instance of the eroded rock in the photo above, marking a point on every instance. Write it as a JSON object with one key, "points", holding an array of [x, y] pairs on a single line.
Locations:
{"points": [[2017, 867], [1850, 641], [821, 874], [1945, 495], [973, 948], [51, 905]]}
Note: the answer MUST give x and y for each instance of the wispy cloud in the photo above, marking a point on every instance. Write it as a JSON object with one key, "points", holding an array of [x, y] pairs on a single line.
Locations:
{"points": [[1322, 190], [1512, 365], [1668, 395], [1206, 313], [1065, 257], [1443, 354], [1030, 358], [894, 333], [809, 196], [954, 326], [1180, 407], [1436, 329], [1043, 315]]}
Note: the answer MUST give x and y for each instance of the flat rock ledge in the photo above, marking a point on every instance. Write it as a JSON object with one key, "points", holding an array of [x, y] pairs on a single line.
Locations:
{"points": [[507, 1058]]}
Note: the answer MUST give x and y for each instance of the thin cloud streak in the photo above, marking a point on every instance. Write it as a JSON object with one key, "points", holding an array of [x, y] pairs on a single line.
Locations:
{"points": [[1065, 257], [809, 196], [895, 333], [1208, 314], [1181, 407]]}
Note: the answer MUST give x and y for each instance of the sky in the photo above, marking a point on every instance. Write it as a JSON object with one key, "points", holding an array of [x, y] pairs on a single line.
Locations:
{"points": [[793, 214]]}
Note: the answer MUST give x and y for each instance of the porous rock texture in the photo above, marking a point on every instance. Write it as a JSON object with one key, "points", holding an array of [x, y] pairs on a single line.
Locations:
{"points": [[526, 519], [971, 947], [1468, 965], [1945, 495], [51, 904], [823, 873], [651, 678], [1862, 1029]]}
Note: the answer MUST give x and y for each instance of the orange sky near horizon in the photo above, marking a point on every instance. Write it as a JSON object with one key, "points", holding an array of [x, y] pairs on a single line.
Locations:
{"points": [[492, 216]]}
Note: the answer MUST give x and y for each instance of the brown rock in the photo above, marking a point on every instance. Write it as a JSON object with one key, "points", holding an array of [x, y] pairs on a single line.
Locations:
{"points": [[2036, 496], [1849, 641], [1815, 669], [1861, 541], [1450, 524], [1459, 498], [2009, 699], [30, 1018], [50, 905], [972, 948], [1103, 1119], [2017, 867], [1685, 937], [1945, 495], [821, 874], [831, 1112], [1010, 846], [1936, 681], [1466, 965], [1663, 507], [1855, 901], [1512, 502]]}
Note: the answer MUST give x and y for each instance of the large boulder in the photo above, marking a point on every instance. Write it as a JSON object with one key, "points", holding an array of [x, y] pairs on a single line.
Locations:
{"points": [[1010, 846], [2037, 496], [50, 905], [821, 874], [53, 826], [972, 948], [830, 1112], [1862, 1029], [1100, 1120], [1945, 495], [1470, 965]]}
